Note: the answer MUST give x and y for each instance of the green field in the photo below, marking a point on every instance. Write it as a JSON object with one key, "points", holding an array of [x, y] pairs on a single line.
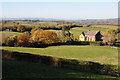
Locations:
{"points": [[78, 30], [105, 26], [101, 54], [18, 69]]}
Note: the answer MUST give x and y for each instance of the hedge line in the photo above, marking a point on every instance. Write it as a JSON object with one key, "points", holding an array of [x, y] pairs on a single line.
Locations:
{"points": [[83, 66]]}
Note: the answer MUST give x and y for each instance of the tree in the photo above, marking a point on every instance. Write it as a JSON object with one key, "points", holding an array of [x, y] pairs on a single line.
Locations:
{"points": [[12, 40], [113, 34], [23, 40], [113, 31], [45, 36], [14, 27], [66, 32], [21, 28]]}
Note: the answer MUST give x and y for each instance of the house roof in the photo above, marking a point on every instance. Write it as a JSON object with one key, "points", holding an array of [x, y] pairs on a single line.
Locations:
{"points": [[91, 33]]}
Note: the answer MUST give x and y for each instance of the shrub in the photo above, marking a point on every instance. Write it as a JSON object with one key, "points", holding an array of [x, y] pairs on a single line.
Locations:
{"points": [[84, 42], [96, 43], [117, 43], [77, 42], [110, 70]]}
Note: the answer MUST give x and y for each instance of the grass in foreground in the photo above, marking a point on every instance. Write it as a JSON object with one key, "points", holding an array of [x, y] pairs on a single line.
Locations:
{"points": [[20, 69], [101, 54]]}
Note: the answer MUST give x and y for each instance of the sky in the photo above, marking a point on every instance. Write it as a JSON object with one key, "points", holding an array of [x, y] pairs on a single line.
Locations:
{"points": [[59, 0], [60, 10]]}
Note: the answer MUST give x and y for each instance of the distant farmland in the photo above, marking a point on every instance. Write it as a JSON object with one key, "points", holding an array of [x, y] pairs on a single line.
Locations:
{"points": [[78, 30]]}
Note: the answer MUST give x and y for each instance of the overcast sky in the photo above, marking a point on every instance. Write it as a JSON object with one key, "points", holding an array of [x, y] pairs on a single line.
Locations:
{"points": [[60, 10]]}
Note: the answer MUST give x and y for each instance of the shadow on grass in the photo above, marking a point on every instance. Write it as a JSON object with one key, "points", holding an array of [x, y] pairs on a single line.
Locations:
{"points": [[19, 70]]}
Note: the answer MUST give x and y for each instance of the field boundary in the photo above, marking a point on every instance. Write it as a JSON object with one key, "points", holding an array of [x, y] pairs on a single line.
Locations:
{"points": [[83, 66]]}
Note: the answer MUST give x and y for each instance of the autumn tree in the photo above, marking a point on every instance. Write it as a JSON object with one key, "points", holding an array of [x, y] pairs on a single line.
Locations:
{"points": [[12, 40], [23, 40], [21, 28], [45, 36], [14, 27]]}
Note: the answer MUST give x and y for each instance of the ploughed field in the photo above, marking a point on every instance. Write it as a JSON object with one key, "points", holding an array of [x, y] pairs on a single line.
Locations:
{"points": [[18, 69], [100, 54]]}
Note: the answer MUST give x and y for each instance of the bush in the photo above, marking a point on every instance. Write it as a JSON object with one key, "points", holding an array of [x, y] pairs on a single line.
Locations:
{"points": [[110, 70], [77, 42], [117, 44], [84, 42], [96, 43], [73, 43]]}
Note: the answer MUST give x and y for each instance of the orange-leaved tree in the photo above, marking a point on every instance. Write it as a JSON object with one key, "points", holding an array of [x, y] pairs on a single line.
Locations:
{"points": [[45, 36], [23, 40]]}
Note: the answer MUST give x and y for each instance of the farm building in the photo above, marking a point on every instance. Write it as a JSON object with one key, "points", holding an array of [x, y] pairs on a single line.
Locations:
{"points": [[91, 36]]}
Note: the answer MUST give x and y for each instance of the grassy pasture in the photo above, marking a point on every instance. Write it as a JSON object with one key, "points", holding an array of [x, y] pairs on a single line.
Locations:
{"points": [[105, 26], [19, 69], [48, 23], [101, 54], [78, 30], [41, 23]]}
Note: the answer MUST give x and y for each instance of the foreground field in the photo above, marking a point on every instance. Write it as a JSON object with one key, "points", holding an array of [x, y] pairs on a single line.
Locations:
{"points": [[18, 69], [101, 54]]}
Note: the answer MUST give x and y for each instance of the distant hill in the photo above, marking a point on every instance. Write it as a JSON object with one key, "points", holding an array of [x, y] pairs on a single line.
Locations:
{"points": [[113, 21], [46, 19], [97, 21]]}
